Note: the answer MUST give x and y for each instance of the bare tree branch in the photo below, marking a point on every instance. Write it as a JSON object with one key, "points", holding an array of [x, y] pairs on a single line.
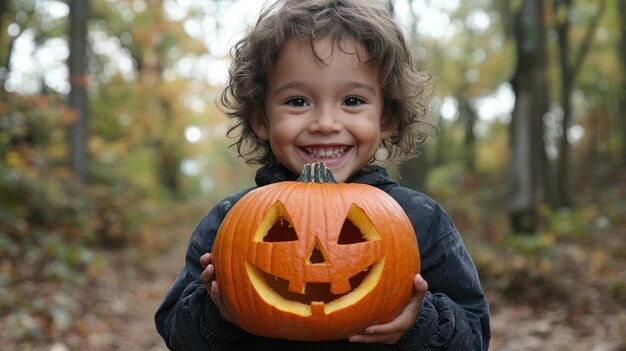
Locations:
{"points": [[587, 42]]}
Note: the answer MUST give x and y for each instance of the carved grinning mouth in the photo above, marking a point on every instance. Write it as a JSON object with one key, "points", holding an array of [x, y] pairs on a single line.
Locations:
{"points": [[317, 297], [313, 292]]}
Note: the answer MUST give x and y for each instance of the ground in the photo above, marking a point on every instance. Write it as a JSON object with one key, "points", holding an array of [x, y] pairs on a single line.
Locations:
{"points": [[118, 309], [117, 306]]}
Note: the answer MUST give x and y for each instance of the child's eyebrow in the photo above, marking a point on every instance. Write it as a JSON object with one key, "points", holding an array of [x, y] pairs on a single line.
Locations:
{"points": [[359, 85], [347, 85], [287, 86]]}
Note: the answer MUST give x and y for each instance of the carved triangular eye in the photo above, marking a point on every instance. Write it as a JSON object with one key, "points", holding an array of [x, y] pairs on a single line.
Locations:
{"points": [[357, 228], [281, 231], [276, 226], [350, 234]]}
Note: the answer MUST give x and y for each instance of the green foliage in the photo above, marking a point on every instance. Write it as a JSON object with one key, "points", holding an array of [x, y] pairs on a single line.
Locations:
{"points": [[572, 222], [54, 232], [575, 252], [52, 229], [44, 231]]}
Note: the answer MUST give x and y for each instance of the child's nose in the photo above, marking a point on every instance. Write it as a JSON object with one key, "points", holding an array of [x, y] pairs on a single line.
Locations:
{"points": [[325, 121]]}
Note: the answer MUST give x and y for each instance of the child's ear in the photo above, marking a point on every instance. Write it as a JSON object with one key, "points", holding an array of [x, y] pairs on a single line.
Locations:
{"points": [[259, 123], [387, 132], [387, 128]]}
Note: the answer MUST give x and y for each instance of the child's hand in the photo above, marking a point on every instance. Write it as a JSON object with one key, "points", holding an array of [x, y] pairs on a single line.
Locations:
{"points": [[390, 333], [208, 278]]}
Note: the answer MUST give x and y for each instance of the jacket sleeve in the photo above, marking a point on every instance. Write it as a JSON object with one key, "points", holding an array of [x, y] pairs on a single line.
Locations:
{"points": [[187, 319], [455, 312]]}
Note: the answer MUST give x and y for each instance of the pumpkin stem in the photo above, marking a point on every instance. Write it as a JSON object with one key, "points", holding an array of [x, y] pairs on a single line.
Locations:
{"points": [[316, 173]]}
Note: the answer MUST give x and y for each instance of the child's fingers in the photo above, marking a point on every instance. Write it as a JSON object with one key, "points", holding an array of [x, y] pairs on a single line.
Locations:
{"points": [[391, 332], [205, 259], [208, 279], [421, 287], [371, 339], [208, 275], [218, 300], [397, 325], [387, 333], [406, 318], [216, 294]]}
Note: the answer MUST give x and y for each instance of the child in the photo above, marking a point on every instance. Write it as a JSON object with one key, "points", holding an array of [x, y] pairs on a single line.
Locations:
{"points": [[332, 81]]}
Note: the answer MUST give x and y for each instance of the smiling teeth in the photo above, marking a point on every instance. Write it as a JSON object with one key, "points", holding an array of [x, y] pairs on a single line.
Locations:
{"points": [[329, 152]]}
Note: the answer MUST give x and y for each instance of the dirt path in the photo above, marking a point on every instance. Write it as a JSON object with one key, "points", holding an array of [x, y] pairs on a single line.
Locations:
{"points": [[119, 306], [133, 296], [111, 309], [147, 293], [126, 296], [514, 327]]}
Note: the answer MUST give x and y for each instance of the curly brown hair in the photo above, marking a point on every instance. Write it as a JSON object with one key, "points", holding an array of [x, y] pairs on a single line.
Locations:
{"points": [[366, 22]]}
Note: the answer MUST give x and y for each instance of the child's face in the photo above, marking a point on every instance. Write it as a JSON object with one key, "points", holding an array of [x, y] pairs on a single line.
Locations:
{"points": [[316, 111]]}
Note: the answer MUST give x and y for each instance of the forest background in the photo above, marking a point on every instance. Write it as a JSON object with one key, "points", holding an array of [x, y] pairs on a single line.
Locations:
{"points": [[112, 147]]}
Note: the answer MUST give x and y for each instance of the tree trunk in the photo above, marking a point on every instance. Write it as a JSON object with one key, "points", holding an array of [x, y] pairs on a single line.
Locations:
{"points": [[562, 174], [6, 48], [527, 159], [4, 8], [413, 172], [569, 71], [168, 155], [622, 96], [468, 116], [78, 134]]}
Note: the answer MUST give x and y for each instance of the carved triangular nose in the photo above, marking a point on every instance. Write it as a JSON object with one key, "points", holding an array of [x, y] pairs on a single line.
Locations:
{"points": [[317, 255]]}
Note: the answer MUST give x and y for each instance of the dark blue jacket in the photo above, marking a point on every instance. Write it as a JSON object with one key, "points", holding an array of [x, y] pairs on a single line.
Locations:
{"points": [[454, 315]]}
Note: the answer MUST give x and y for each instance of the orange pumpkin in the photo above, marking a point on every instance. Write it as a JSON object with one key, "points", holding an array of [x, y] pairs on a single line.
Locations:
{"points": [[315, 260]]}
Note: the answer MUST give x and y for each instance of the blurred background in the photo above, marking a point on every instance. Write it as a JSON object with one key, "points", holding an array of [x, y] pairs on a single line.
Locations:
{"points": [[112, 148]]}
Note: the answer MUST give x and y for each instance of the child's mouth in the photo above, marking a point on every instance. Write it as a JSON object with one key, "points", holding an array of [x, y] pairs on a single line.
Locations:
{"points": [[326, 152]]}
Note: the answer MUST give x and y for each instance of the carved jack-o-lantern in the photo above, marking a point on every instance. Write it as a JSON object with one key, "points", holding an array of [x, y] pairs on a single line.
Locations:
{"points": [[315, 260]]}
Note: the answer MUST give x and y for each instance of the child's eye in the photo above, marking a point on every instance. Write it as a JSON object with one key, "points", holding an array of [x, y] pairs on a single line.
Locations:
{"points": [[297, 102], [353, 101]]}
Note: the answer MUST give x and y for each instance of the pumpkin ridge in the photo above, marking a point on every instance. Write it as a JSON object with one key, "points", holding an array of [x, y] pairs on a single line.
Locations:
{"points": [[251, 252]]}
